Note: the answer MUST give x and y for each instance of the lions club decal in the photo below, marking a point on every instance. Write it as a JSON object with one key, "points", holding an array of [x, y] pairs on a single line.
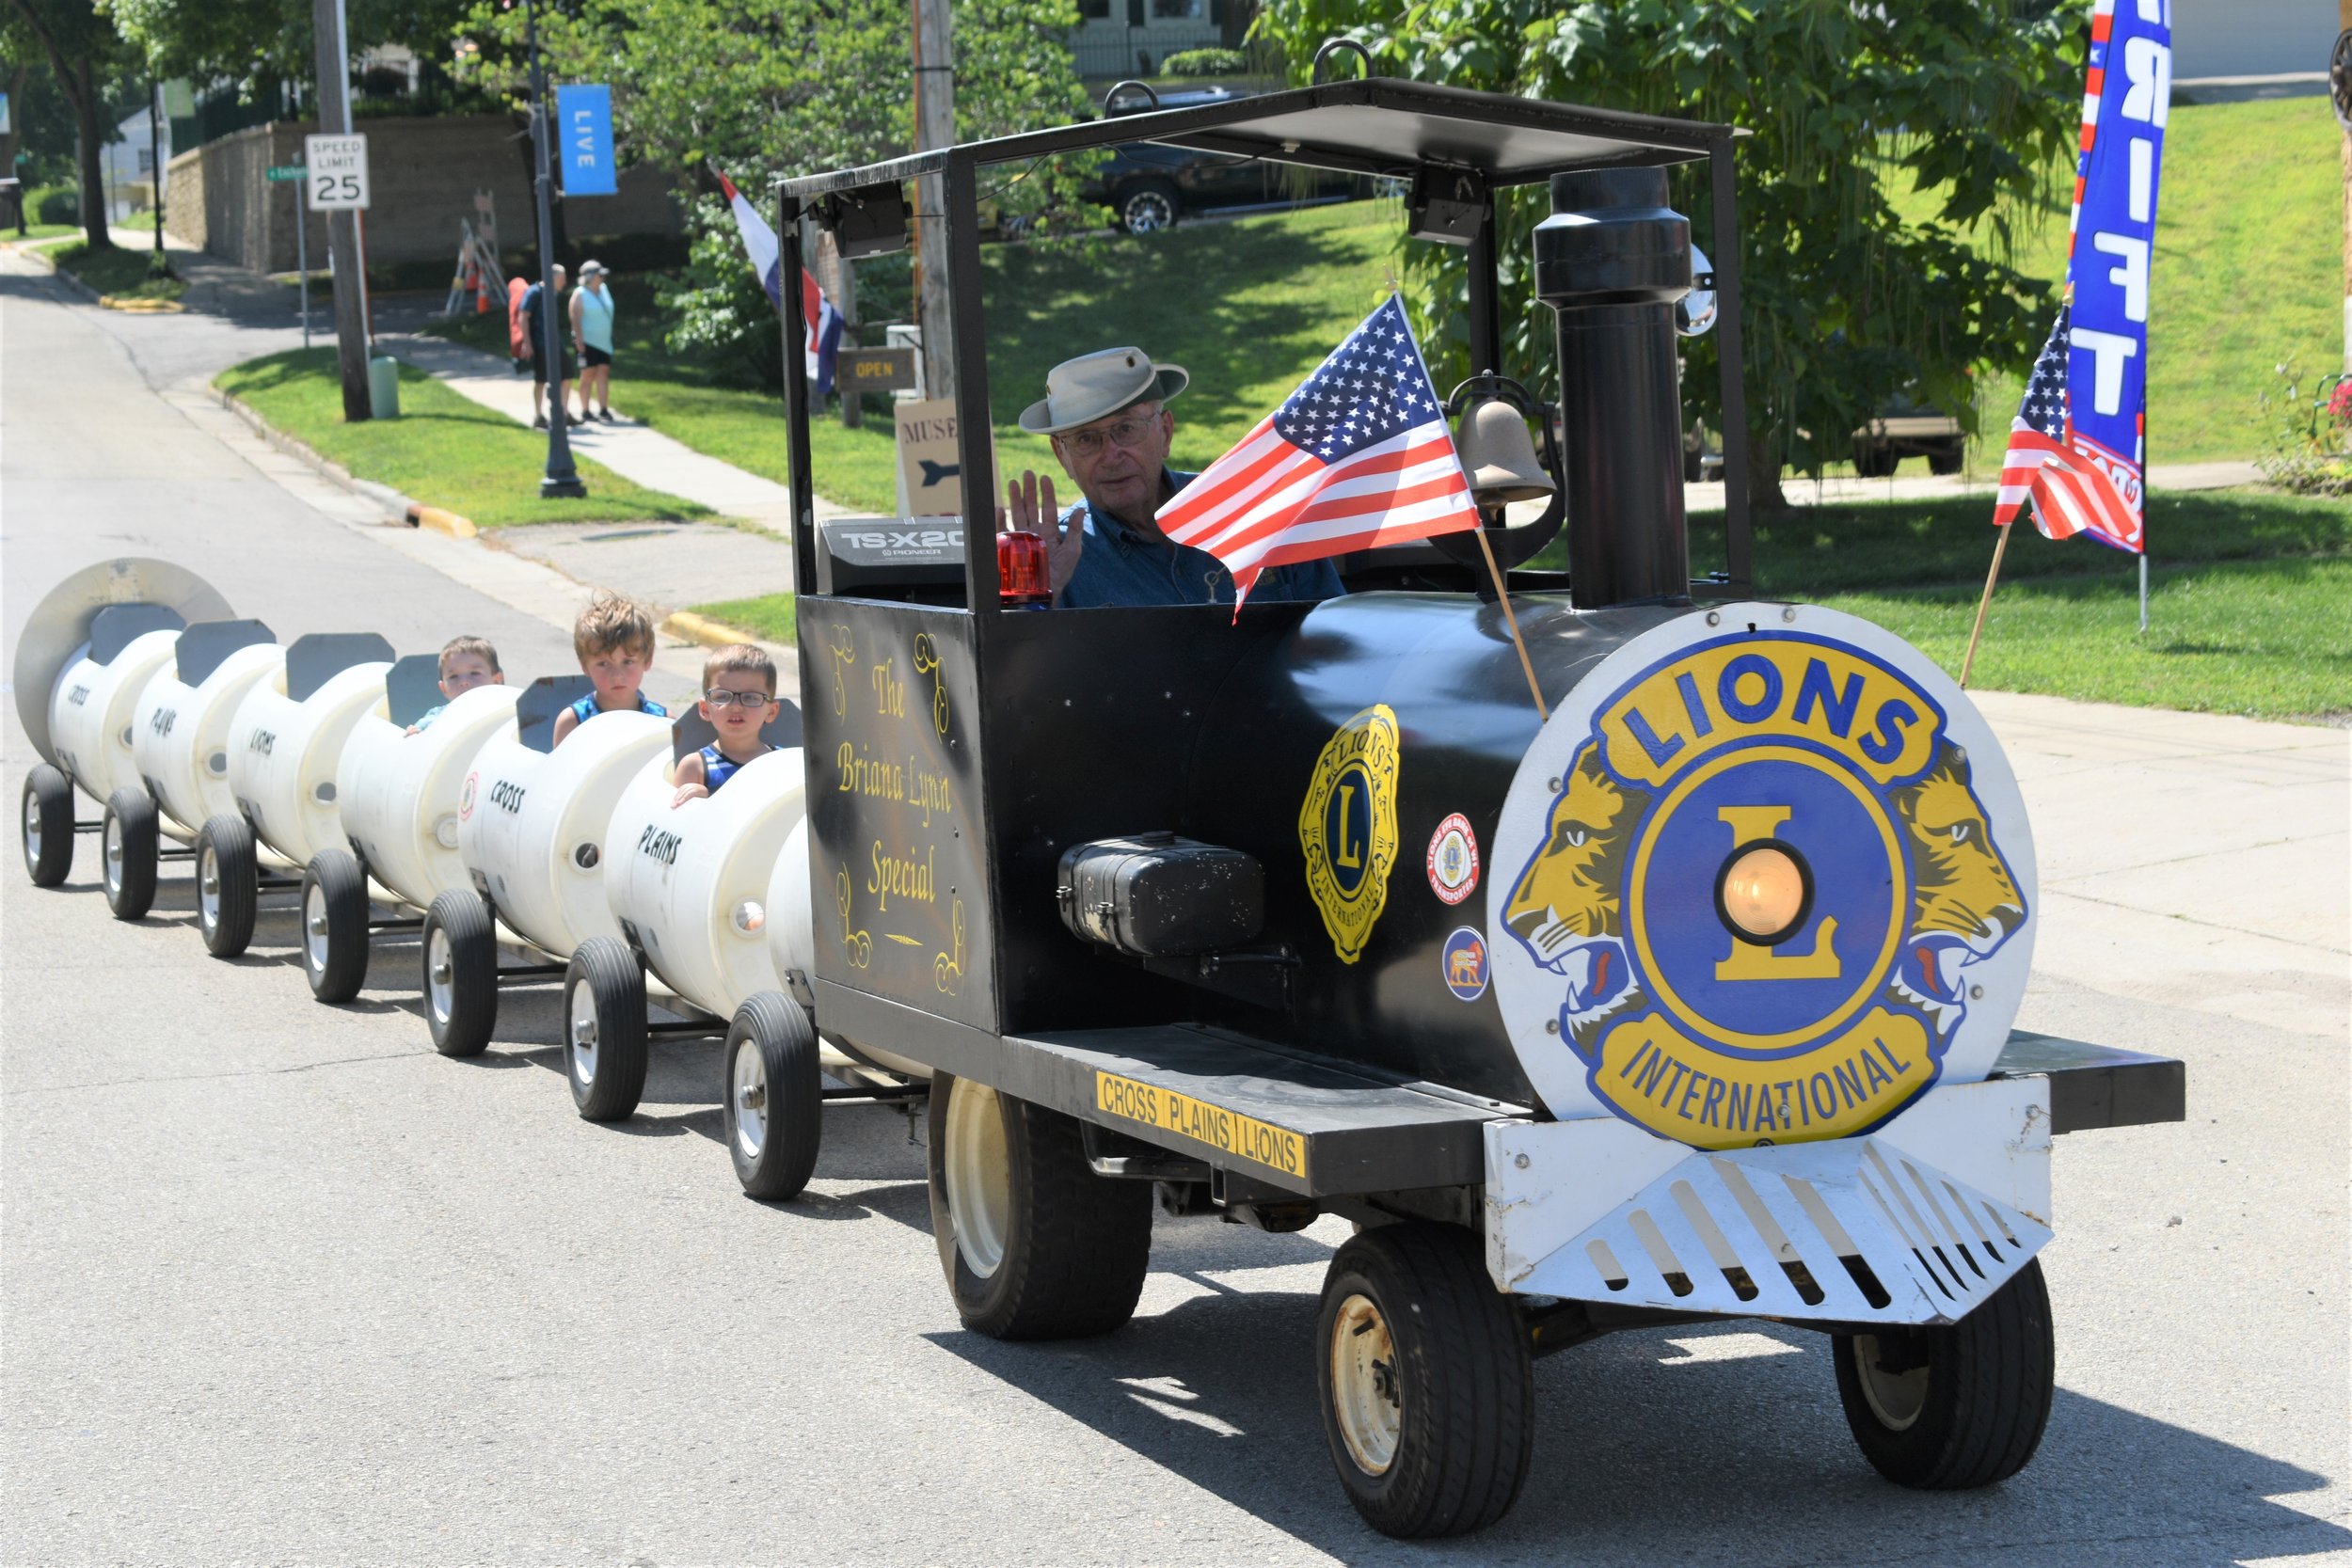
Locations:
{"points": [[1760, 891], [1347, 828]]}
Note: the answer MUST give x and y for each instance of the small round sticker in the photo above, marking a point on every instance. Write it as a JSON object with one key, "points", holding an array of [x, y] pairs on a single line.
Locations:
{"points": [[1453, 859], [464, 797], [1465, 963]]}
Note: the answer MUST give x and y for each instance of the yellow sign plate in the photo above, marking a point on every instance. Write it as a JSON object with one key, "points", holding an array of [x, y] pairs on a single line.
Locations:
{"points": [[1246, 1138]]}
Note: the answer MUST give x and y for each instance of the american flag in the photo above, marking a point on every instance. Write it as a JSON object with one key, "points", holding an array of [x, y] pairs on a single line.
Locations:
{"points": [[2047, 463], [1358, 456], [822, 317]]}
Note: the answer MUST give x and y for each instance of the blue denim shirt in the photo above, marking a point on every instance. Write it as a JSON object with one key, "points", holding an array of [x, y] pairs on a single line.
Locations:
{"points": [[1117, 568]]}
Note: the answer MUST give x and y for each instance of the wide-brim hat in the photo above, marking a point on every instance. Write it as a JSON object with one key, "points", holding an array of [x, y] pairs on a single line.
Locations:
{"points": [[1079, 392]]}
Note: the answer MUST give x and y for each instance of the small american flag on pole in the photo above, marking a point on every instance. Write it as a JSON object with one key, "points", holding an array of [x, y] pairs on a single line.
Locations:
{"points": [[1358, 457], [2049, 463]]}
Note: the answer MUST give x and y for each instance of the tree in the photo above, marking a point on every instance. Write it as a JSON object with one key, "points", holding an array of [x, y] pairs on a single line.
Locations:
{"points": [[84, 50], [1847, 299], [767, 87]]}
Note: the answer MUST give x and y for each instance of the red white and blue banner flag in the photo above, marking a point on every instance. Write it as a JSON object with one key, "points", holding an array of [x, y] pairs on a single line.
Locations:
{"points": [[1360, 456], [823, 319], [2082, 459]]}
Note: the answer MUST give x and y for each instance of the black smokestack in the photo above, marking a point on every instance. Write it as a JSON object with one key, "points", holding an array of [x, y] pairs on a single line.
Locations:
{"points": [[1613, 259]]}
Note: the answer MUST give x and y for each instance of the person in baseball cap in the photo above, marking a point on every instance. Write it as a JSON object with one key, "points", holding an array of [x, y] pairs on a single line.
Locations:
{"points": [[1106, 415]]}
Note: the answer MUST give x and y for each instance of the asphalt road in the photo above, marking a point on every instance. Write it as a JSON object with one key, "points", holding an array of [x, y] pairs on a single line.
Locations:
{"points": [[280, 1284]]}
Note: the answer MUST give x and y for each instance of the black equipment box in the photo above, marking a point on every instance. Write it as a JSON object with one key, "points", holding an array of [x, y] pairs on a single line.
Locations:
{"points": [[1156, 896], [885, 557]]}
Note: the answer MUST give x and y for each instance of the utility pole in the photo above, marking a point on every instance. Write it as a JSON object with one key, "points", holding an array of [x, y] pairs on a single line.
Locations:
{"points": [[343, 228], [162, 265], [561, 478], [934, 126]]}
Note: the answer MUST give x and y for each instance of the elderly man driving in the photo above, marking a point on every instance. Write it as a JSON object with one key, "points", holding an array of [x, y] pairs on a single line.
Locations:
{"points": [[1108, 416]]}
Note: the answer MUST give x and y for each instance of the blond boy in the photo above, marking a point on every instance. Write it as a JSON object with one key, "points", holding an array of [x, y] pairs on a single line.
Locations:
{"points": [[466, 663], [613, 638]]}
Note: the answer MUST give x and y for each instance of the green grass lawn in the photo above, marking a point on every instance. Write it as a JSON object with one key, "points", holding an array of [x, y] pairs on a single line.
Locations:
{"points": [[2247, 276], [770, 617], [41, 231], [119, 271], [2249, 601], [443, 450]]}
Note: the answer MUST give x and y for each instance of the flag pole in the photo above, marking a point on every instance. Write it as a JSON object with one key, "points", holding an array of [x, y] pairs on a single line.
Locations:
{"points": [[1502, 596], [1991, 577], [2143, 589]]}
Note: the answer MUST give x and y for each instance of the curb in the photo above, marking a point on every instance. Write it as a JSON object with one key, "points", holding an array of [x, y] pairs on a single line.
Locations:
{"points": [[689, 627], [399, 509], [133, 306], [441, 521], [39, 257]]}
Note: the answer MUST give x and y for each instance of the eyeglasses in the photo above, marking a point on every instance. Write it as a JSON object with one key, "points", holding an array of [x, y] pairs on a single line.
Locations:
{"points": [[719, 696], [1128, 434]]}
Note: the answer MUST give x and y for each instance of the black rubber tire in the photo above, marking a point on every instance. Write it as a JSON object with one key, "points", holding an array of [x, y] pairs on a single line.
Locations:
{"points": [[44, 825], [1873, 461], [1462, 1384], [1143, 202], [334, 914], [227, 855], [467, 1009], [1077, 1244], [127, 842], [792, 1126], [1947, 461], [1990, 1378], [615, 1067]]}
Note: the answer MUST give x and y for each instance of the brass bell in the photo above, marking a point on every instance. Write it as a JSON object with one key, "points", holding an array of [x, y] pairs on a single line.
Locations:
{"points": [[1500, 456]]}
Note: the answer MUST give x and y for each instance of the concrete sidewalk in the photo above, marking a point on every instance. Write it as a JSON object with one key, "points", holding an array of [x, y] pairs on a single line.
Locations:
{"points": [[2189, 859], [628, 449]]}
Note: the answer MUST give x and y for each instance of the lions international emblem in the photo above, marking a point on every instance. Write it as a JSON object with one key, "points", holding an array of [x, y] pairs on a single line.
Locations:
{"points": [[1347, 828], [1764, 893]]}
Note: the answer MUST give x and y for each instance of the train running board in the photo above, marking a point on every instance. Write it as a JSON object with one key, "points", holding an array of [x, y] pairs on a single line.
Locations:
{"points": [[1918, 1223]]}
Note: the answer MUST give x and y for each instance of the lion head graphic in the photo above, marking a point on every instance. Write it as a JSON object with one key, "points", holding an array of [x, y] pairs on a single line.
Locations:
{"points": [[1965, 903], [1567, 909]]}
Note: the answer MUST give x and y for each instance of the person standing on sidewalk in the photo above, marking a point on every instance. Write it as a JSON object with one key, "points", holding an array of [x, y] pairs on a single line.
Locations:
{"points": [[592, 334], [541, 346]]}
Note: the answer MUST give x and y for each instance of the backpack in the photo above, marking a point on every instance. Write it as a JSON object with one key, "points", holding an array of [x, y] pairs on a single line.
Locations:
{"points": [[516, 289]]}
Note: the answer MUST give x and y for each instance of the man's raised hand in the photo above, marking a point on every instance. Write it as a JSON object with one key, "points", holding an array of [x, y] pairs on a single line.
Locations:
{"points": [[1029, 501]]}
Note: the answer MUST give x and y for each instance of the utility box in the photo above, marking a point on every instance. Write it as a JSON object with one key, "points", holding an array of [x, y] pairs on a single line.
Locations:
{"points": [[384, 387]]}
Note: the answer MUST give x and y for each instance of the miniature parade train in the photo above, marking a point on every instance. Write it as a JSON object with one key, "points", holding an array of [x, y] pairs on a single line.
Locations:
{"points": [[1689, 999]]}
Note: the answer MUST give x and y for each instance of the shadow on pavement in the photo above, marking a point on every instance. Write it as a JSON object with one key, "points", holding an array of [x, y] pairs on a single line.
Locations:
{"points": [[1697, 1445]]}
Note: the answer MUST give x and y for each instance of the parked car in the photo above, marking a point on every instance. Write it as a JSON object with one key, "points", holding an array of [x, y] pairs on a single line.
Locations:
{"points": [[1904, 427], [1148, 186]]}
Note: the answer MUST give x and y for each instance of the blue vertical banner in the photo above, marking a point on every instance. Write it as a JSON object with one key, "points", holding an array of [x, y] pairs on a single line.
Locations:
{"points": [[2127, 97], [583, 127]]}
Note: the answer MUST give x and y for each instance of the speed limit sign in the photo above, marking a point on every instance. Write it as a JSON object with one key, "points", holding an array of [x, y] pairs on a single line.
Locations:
{"points": [[338, 178]]}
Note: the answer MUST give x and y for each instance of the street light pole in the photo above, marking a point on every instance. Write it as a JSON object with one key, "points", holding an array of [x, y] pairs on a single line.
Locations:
{"points": [[160, 267], [561, 478]]}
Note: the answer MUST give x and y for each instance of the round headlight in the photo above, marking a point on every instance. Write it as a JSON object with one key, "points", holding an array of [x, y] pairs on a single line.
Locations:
{"points": [[1764, 892], [749, 917]]}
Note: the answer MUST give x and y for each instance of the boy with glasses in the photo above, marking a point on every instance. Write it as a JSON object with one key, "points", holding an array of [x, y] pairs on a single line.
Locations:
{"points": [[1107, 417], [738, 698]]}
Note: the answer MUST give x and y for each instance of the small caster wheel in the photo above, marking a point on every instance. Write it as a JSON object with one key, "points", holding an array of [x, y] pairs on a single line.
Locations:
{"points": [[128, 843], [1035, 1245], [1427, 1394], [461, 972], [47, 824], [228, 878], [775, 1096], [604, 1029], [335, 925], [1947, 1409]]}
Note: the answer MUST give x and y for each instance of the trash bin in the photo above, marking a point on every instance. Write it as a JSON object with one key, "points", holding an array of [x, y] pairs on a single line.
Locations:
{"points": [[384, 387]]}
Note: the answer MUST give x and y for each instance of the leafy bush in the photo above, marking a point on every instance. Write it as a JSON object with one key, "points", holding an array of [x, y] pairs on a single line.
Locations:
{"points": [[2310, 448], [55, 204], [1205, 62]]}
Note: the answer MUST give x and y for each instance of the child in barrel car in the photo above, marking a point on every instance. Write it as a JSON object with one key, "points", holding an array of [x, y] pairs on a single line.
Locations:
{"points": [[466, 663], [613, 638], [738, 698]]}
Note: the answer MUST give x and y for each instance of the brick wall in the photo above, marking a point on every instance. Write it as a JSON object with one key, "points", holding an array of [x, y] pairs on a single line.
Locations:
{"points": [[423, 175]]}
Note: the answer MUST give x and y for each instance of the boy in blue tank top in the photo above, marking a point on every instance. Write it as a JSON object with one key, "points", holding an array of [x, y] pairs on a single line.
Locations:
{"points": [[613, 638], [738, 698]]}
